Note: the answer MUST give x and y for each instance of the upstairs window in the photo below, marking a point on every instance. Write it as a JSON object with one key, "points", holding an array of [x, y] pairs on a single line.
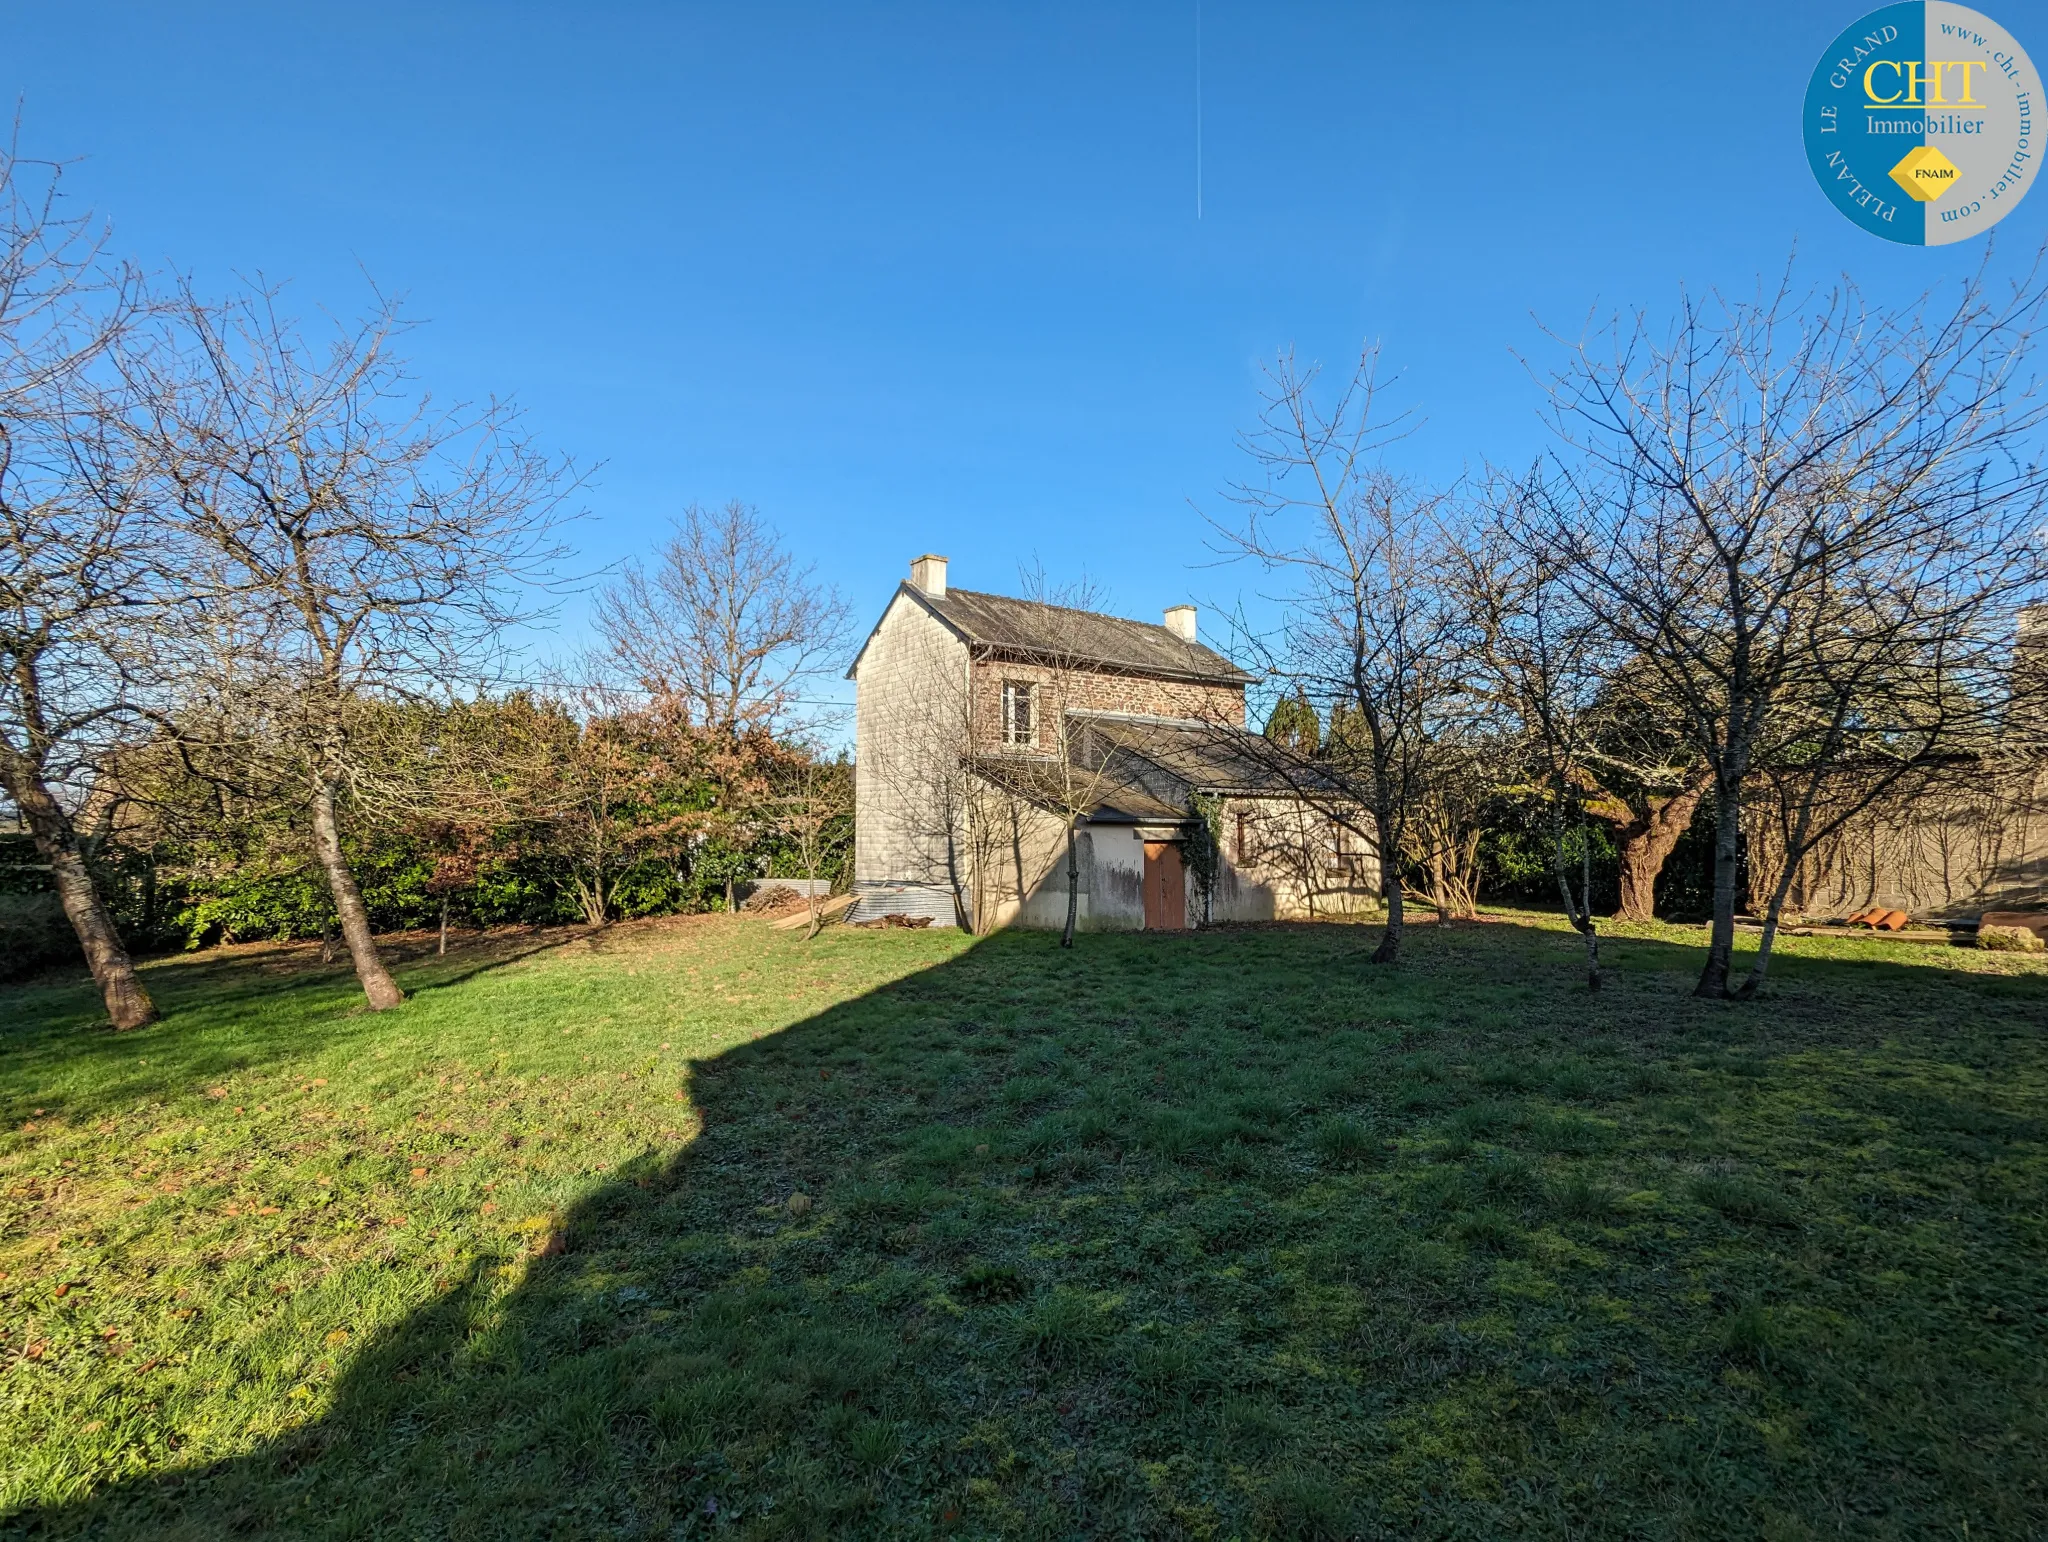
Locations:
{"points": [[1020, 712]]}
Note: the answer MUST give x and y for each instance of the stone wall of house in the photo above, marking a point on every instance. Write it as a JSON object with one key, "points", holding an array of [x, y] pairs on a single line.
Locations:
{"points": [[1287, 867], [931, 838], [1285, 861], [910, 790], [1082, 690]]}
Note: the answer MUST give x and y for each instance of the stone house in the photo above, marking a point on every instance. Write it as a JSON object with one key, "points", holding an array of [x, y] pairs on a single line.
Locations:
{"points": [[987, 728]]}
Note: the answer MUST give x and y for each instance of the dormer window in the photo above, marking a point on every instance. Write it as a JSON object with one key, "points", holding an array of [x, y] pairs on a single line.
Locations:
{"points": [[1020, 713]]}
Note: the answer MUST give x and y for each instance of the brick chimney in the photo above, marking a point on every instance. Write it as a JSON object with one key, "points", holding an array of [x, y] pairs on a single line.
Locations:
{"points": [[1180, 620], [928, 573]]}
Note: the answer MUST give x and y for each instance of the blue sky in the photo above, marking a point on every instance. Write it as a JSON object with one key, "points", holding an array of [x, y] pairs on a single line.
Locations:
{"points": [[931, 278]]}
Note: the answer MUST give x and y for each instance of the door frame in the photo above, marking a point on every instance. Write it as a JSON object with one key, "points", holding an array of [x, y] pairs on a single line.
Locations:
{"points": [[1165, 910]]}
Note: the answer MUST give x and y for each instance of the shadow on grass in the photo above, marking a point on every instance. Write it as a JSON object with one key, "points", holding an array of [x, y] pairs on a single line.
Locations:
{"points": [[262, 1003], [1234, 1233]]}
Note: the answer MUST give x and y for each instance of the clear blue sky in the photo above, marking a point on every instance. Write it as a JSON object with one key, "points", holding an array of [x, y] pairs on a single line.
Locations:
{"points": [[931, 278]]}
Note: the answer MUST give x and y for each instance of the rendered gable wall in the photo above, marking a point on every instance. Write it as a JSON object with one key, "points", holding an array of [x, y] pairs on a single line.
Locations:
{"points": [[910, 718]]}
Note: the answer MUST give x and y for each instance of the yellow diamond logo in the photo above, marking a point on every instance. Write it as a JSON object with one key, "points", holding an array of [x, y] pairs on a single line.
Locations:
{"points": [[1925, 173]]}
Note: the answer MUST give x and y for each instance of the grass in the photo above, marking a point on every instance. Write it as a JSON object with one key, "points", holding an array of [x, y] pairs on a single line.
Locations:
{"points": [[693, 1228]]}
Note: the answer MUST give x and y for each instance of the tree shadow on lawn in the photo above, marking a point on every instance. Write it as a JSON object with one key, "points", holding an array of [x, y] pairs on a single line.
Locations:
{"points": [[264, 1002], [1234, 1233]]}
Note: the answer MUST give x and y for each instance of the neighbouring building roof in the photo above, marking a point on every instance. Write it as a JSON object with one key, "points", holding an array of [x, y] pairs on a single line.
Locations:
{"points": [[1028, 629]]}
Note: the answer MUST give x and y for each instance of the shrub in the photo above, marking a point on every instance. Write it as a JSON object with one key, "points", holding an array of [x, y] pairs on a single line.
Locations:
{"points": [[34, 935]]}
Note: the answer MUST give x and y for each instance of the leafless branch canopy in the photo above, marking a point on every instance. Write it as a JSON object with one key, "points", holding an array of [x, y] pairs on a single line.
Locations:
{"points": [[725, 624]]}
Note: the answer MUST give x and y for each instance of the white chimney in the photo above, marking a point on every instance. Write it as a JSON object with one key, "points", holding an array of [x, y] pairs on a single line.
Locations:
{"points": [[1180, 620], [928, 573]]}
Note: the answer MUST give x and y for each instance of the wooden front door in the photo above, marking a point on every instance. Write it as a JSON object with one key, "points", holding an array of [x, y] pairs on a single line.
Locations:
{"points": [[1166, 890]]}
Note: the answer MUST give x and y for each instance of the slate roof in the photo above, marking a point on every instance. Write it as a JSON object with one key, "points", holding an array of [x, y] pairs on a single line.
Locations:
{"points": [[1027, 629], [1203, 757]]}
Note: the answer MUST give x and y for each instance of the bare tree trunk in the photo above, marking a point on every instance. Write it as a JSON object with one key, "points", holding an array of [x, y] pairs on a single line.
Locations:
{"points": [[128, 1004], [443, 949], [1645, 845], [1713, 983], [1073, 889], [1578, 908], [1390, 886], [1802, 829], [378, 986]]}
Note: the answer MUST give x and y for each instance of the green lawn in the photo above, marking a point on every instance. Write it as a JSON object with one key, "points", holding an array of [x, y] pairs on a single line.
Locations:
{"points": [[1220, 1235]]}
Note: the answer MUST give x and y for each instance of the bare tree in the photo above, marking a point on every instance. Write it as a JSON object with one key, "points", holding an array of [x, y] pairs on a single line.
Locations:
{"points": [[1814, 519], [1465, 771], [365, 541], [79, 550], [1541, 666], [725, 624], [1372, 629]]}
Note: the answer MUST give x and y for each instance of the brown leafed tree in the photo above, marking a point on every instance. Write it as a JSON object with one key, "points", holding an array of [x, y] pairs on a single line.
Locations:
{"points": [[809, 806], [1814, 519], [364, 541], [82, 573]]}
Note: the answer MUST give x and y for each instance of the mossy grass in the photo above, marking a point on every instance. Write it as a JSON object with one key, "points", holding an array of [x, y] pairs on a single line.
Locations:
{"points": [[693, 1227]]}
